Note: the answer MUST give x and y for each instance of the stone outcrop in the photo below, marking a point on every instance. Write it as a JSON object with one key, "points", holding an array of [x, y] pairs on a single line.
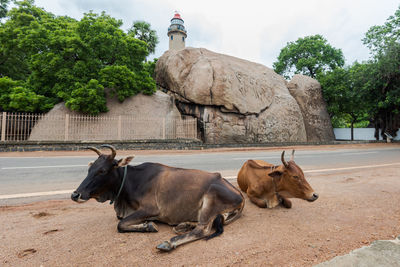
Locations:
{"points": [[149, 110], [308, 95], [235, 100]]}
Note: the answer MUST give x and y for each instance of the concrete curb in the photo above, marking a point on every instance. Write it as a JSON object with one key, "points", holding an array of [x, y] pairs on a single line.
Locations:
{"points": [[383, 253], [179, 144]]}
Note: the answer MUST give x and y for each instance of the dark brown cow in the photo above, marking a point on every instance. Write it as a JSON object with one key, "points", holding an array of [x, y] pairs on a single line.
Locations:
{"points": [[268, 186], [192, 200]]}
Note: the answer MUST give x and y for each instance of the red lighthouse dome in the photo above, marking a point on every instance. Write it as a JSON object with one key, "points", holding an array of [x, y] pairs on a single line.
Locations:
{"points": [[177, 16], [177, 33]]}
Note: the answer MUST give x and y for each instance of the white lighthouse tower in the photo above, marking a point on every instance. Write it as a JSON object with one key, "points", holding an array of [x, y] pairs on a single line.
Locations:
{"points": [[177, 33]]}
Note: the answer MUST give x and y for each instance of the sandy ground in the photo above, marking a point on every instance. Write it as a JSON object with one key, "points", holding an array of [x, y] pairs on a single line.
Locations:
{"points": [[355, 208]]}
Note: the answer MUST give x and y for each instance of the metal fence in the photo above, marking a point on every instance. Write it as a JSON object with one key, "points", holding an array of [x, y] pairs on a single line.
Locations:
{"points": [[44, 127]]}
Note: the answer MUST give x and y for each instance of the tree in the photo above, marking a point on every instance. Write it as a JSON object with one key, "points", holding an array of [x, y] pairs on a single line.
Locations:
{"points": [[56, 58], [380, 37], [16, 39], [310, 56], [346, 93], [384, 43], [142, 31], [386, 92]]}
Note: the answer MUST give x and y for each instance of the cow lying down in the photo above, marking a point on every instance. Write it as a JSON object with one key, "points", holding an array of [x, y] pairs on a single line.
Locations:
{"points": [[193, 201], [267, 185]]}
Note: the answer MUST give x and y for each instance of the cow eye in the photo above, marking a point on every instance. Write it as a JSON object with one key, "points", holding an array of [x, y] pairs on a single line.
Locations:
{"points": [[295, 177], [102, 172]]}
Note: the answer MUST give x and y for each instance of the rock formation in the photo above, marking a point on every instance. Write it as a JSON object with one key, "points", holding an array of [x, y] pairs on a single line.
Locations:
{"points": [[235, 101], [141, 117], [307, 93]]}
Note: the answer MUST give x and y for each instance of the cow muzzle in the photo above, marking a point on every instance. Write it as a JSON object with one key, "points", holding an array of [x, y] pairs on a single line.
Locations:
{"points": [[313, 197], [75, 196]]}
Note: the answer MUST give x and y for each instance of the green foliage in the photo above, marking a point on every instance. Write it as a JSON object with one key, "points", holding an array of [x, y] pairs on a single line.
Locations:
{"points": [[346, 92], [3, 8], [388, 72], [16, 42], [358, 94], [88, 98], [15, 96], [6, 85], [24, 100], [379, 38], [150, 67], [384, 43], [142, 31], [345, 122], [58, 57], [125, 83], [310, 56]]}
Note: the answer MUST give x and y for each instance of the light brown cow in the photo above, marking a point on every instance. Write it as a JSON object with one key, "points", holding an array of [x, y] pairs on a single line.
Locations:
{"points": [[267, 185]]}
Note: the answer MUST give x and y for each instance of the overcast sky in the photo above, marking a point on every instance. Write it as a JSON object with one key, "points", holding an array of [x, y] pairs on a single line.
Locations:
{"points": [[248, 29]]}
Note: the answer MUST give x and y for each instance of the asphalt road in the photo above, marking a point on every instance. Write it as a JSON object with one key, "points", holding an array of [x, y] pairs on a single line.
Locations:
{"points": [[23, 177]]}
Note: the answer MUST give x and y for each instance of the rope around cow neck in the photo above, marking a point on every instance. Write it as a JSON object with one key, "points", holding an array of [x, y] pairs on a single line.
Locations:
{"points": [[122, 185]]}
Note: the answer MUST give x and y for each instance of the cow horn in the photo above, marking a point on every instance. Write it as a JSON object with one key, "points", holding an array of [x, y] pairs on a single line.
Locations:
{"points": [[113, 152], [95, 150], [292, 157], [283, 159]]}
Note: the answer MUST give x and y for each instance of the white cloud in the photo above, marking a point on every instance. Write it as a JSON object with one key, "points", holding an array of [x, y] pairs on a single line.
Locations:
{"points": [[251, 29]]}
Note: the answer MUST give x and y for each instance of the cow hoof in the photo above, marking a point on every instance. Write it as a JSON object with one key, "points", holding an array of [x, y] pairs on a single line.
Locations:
{"points": [[165, 246], [151, 227], [287, 204]]}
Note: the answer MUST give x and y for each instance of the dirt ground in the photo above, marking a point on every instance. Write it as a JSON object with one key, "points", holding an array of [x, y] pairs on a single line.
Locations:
{"points": [[355, 208]]}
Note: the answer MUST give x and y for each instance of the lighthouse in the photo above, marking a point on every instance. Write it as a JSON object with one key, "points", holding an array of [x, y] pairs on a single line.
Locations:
{"points": [[177, 33]]}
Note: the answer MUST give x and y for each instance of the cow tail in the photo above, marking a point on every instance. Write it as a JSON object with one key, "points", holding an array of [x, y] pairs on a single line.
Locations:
{"points": [[218, 224]]}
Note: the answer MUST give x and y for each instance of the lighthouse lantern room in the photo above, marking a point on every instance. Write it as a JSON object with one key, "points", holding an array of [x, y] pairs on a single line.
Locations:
{"points": [[177, 33]]}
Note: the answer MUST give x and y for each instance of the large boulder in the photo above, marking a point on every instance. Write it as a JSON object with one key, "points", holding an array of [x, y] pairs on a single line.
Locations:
{"points": [[235, 100], [308, 95], [138, 117]]}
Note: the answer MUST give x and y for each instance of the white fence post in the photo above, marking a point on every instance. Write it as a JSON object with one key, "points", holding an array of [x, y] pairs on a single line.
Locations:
{"points": [[119, 127], [66, 127], [163, 128], [3, 126]]}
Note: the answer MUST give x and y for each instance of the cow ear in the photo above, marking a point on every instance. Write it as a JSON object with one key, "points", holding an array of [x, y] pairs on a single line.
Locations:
{"points": [[276, 174], [124, 161]]}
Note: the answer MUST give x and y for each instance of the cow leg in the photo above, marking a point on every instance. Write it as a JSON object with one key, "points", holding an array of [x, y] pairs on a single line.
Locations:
{"points": [[217, 200], [262, 203], [184, 227], [136, 222], [254, 196], [267, 202], [285, 202], [234, 214]]}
